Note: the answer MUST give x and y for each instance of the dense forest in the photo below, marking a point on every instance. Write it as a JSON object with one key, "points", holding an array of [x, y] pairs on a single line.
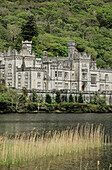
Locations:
{"points": [[51, 23]]}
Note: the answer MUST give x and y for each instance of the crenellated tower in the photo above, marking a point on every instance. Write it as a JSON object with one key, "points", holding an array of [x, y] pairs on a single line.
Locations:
{"points": [[71, 48], [27, 45]]}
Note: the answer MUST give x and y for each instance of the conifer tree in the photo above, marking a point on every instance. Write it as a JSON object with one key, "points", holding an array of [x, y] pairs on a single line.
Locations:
{"points": [[29, 29], [80, 98], [48, 99], [34, 96], [71, 99], [58, 97]]}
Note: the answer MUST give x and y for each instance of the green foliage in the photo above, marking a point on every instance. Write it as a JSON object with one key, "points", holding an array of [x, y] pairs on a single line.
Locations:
{"points": [[5, 102], [24, 91], [80, 98], [18, 43], [71, 99], [29, 29], [22, 99], [98, 100], [50, 24], [31, 106], [48, 99], [58, 96], [34, 96], [95, 98], [2, 88]]}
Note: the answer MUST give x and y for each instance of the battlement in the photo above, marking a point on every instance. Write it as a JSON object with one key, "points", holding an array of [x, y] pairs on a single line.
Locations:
{"points": [[71, 43]]}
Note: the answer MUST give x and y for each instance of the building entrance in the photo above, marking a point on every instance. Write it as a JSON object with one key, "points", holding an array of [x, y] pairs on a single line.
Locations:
{"points": [[83, 87]]}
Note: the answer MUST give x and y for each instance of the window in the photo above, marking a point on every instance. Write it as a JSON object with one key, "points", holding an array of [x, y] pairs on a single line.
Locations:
{"points": [[9, 65], [93, 78], [66, 85], [60, 74], [84, 65], [66, 75], [9, 74], [74, 86], [38, 75], [59, 85], [107, 87], [38, 85], [55, 73], [19, 75], [26, 84], [55, 84], [72, 75], [26, 75], [19, 84], [101, 86], [106, 77], [84, 76], [3, 74], [84, 70]]}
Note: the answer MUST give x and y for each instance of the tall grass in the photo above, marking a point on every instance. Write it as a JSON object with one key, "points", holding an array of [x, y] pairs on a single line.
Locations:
{"points": [[27, 148]]}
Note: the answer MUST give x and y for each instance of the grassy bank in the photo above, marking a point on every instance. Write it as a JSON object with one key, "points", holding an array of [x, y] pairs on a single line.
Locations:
{"points": [[28, 148], [68, 108], [59, 108]]}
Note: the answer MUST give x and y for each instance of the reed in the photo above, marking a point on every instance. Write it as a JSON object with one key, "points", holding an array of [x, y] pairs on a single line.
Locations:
{"points": [[27, 148]]}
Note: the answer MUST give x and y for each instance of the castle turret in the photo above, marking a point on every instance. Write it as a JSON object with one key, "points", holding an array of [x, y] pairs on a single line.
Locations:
{"points": [[44, 53], [27, 45], [71, 48]]}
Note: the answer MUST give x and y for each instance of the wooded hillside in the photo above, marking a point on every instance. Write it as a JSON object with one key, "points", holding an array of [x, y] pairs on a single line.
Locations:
{"points": [[54, 22]]}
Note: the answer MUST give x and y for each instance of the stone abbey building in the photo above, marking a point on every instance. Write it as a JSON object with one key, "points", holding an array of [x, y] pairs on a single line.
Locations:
{"points": [[69, 74]]}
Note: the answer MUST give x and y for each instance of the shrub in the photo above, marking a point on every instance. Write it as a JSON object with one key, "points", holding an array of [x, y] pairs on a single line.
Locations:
{"points": [[58, 97], [80, 98], [34, 96], [97, 99], [71, 99], [31, 106], [48, 99]]}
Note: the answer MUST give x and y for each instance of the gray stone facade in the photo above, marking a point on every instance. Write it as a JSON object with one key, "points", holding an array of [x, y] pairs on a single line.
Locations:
{"points": [[74, 73]]}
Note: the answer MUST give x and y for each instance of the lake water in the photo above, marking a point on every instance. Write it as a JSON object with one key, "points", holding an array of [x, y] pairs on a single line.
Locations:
{"points": [[12, 123]]}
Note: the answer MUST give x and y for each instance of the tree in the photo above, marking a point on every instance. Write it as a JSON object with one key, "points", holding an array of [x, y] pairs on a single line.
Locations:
{"points": [[14, 97], [18, 43], [71, 99], [14, 30], [58, 98], [29, 29], [80, 98], [2, 88], [98, 100], [5, 102], [23, 97], [25, 91], [48, 99], [34, 96]]}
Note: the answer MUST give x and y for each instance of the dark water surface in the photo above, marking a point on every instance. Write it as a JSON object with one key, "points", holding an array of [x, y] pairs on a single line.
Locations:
{"points": [[12, 123]]}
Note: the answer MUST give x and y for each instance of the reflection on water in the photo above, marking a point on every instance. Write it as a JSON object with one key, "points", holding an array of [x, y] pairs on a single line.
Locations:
{"points": [[26, 122], [86, 161]]}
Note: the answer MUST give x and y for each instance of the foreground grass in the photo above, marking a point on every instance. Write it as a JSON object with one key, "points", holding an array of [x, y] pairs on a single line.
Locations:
{"points": [[29, 148]]}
